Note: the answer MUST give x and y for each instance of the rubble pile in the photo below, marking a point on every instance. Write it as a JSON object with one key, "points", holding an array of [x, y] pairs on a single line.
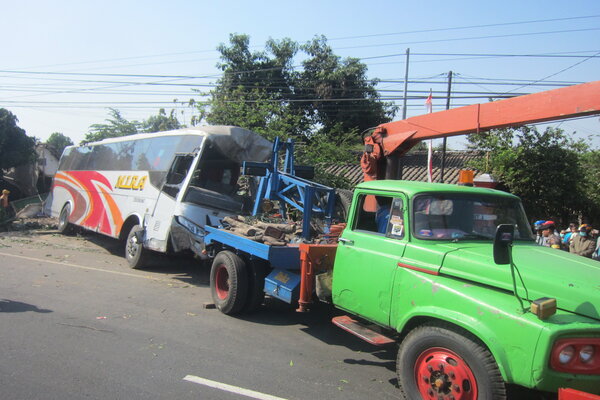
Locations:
{"points": [[274, 234]]}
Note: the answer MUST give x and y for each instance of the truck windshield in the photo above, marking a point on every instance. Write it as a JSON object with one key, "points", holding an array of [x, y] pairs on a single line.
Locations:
{"points": [[450, 216]]}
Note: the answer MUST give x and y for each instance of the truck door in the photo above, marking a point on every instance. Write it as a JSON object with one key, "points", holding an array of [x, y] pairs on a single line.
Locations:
{"points": [[159, 222], [367, 258]]}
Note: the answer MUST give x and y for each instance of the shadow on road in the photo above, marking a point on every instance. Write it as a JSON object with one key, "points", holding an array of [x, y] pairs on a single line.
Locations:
{"points": [[11, 306]]}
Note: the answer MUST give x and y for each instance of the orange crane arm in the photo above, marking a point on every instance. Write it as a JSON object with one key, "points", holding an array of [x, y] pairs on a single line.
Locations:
{"points": [[396, 138]]}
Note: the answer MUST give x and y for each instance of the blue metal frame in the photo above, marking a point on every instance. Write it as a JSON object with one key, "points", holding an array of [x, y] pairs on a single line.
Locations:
{"points": [[284, 257], [290, 190]]}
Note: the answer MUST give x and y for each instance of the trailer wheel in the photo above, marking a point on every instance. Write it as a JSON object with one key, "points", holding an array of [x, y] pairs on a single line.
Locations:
{"points": [[257, 272], [64, 226], [135, 253], [440, 362], [229, 282]]}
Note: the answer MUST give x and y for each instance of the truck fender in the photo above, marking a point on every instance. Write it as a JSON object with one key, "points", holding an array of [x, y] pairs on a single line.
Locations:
{"points": [[467, 323]]}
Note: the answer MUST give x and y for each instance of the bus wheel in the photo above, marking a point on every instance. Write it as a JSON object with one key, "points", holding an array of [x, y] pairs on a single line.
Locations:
{"points": [[438, 361], [229, 282], [64, 226], [135, 253]]}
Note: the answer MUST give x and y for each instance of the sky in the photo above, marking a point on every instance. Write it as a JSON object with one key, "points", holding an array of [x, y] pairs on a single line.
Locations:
{"points": [[64, 63]]}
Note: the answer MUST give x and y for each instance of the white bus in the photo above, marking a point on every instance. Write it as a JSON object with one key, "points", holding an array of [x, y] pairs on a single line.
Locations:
{"points": [[156, 191]]}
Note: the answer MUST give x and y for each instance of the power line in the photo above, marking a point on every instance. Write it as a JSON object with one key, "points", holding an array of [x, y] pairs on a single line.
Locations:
{"points": [[465, 27], [469, 38]]}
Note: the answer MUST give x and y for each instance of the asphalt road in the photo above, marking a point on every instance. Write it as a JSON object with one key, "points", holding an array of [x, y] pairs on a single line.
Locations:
{"points": [[77, 323]]}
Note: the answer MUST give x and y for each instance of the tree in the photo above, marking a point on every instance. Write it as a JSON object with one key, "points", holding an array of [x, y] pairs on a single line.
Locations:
{"points": [[590, 185], [161, 122], [543, 168], [59, 141], [263, 91], [116, 126], [16, 148], [337, 93]]}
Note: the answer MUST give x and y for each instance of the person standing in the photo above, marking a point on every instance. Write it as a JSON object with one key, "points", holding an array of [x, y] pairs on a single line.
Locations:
{"points": [[569, 235], [4, 206], [551, 238], [582, 244]]}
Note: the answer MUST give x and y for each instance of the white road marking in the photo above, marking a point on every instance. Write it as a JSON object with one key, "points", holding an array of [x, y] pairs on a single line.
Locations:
{"points": [[80, 266], [230, 388]]}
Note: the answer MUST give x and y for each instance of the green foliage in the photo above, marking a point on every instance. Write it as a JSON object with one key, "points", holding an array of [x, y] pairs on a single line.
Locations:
{"points": [[590, 185], [161, 122], [116, 126], [263, 91], [338, 92], [59, 141], [16, 148], [542, 168]]}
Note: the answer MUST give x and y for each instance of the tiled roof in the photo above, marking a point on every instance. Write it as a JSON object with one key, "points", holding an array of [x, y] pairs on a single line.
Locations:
{"points": [[415, 166]]}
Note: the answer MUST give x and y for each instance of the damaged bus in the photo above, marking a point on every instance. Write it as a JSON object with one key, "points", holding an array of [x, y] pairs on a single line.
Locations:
{"points": [[156, 191]]}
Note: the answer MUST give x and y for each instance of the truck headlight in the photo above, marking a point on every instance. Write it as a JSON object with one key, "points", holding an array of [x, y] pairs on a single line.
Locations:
{"points": [[566, 354], [579, 355], [586, 354]]}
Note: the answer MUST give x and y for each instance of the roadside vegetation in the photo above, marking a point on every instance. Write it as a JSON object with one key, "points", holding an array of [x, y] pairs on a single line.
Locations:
{"points": [[326, 103]]}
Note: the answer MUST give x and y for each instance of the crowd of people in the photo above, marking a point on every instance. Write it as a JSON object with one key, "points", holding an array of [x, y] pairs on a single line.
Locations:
{"points": [[581, 240]]}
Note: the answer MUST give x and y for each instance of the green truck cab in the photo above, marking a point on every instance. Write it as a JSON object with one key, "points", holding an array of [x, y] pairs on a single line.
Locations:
{"points": [[423, 266]]}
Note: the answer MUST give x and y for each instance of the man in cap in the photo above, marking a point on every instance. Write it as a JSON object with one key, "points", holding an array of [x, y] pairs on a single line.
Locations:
{"points": [[582, 243], [539, 238], [551, 238]]}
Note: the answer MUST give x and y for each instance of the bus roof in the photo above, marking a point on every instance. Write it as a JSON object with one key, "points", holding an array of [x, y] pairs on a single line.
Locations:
{"points": [[237, 143], [195, 130]]}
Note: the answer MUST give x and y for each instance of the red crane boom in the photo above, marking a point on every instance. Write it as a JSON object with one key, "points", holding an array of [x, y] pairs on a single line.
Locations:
{"points": [[393, 139]]}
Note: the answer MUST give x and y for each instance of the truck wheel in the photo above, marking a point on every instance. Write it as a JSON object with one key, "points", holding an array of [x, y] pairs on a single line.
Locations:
{"points": [[64, 226], [135, 253], [229, 282], [257, 272], [441, 362]]}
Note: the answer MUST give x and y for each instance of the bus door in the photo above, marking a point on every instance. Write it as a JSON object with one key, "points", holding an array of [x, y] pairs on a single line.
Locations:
{"points": [[159, 222]]}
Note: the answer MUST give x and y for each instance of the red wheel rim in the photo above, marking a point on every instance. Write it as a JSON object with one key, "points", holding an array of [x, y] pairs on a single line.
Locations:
{"points": [[222, 282], [441, 374]]}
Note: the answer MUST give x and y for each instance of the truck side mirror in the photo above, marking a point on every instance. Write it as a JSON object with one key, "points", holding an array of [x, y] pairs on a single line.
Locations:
{"points": [[502, 242]]}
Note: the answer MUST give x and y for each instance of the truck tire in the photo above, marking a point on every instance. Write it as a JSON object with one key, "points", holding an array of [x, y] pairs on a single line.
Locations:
{"points": [[257, 272], [343, 200], [441, 361], [229, 282], [64, 226], [135, 253]]}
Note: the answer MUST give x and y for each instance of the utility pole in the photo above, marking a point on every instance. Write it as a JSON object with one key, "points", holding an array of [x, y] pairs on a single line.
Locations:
{"points": [[444, 141], [405, 84]]}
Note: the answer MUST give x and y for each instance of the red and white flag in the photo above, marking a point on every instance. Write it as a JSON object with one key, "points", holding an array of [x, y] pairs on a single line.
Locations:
{"points": [[428, 102]]}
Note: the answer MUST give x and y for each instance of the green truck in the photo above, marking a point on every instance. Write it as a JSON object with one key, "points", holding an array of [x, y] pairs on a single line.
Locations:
{"points": [[466, 319], [452, 274]]}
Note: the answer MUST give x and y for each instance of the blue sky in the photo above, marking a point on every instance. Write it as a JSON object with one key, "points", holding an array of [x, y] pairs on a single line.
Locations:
{"points": [[179, 38]]}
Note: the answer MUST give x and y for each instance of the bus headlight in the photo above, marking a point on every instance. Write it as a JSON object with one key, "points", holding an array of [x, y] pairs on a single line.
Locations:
{"points": [[190, 226]]}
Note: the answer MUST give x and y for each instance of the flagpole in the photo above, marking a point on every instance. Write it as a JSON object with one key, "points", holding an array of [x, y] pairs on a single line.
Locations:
{"points": [[444, 141], [429, 104], [405, 84]]}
